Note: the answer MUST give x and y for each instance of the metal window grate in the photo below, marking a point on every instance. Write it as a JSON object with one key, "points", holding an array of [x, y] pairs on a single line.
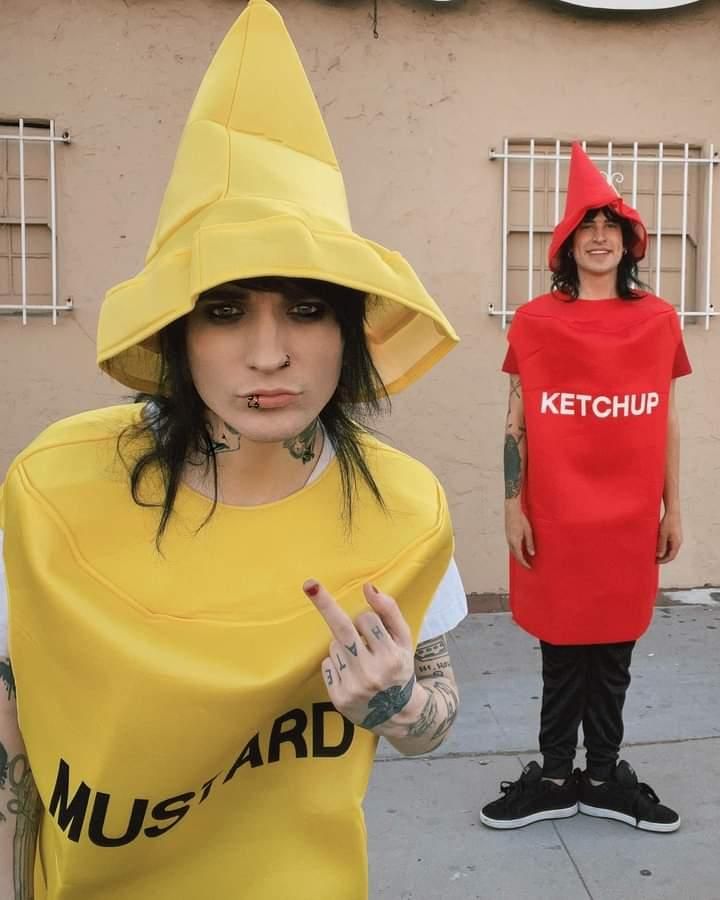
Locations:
{"points": [[28, 218], [670, 184]]}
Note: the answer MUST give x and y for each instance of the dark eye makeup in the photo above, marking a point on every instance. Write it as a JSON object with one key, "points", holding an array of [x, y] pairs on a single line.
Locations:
{"points": [[308, 309], [221, 310]]}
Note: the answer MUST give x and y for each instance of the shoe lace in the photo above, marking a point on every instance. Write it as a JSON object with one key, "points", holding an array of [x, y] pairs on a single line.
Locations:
{"points": [[644, 794], [646, 791], [511, 789]]}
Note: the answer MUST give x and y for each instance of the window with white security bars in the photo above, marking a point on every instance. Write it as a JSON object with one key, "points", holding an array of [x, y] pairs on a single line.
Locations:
{"points": [[28, 219], [670, 184]]}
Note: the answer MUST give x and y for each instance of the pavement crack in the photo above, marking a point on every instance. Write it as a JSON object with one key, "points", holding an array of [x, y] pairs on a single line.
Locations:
{"points": [[532, 751], [572, 860]]}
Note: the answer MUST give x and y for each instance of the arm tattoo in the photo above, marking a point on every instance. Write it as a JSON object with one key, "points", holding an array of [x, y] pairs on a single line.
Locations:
{"points": [[431, 720], [387, 703], [26, 807], [432, 658], [427, 650], [427, 718], [23, 804], [7, 678], [513, 466], [432, 661], [303, 445], [450, 697], [514, 436], [4, 766]]}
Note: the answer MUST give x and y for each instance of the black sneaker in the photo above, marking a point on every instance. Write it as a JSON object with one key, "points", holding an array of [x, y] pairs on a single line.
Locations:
{"points": [[626, 799], [531, 798]]}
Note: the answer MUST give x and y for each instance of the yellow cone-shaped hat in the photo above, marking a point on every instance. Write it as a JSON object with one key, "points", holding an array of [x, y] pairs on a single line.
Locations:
{"points": [[256, 191]]}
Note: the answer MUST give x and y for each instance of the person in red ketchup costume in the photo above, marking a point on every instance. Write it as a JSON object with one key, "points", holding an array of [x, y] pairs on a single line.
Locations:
{"points": [[592, 500]]}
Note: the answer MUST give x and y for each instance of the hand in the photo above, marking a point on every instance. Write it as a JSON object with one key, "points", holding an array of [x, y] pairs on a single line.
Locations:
{"points": [[369, 672], [519, 533], [670, 537]]}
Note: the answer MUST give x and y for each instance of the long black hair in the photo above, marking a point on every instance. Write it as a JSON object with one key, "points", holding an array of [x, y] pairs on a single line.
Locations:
{"points": [[629, 287], [174, 426]]}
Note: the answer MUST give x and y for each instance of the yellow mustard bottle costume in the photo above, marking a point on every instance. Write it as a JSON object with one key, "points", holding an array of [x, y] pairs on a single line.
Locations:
{"points": [[172, 705]]}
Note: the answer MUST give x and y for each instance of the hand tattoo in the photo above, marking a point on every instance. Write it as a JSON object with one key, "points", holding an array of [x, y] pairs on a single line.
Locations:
{"points": [[387, 703]]}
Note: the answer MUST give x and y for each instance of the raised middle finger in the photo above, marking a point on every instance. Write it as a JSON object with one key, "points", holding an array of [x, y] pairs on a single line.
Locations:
{"points": [[338, 621], [373, 632]]}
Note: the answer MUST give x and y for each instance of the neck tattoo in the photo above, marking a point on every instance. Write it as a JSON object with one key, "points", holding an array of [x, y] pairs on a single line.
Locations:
{"points": [[303, 445], [227, 441]]}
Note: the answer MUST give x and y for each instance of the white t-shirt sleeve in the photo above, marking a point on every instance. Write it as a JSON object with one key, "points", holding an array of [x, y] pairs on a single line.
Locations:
{"points": [[448, 607], [3, 605]]}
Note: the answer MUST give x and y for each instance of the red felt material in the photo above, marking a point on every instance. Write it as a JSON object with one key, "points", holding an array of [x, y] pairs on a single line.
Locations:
{"points": [[596, 377], [589, 189]]}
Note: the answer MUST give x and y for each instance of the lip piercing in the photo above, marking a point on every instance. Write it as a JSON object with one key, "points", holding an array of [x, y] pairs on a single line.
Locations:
{"points": [[253, 402]]}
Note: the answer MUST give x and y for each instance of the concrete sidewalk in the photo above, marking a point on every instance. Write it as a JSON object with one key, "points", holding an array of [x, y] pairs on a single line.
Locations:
{"points": [[425, 838]]}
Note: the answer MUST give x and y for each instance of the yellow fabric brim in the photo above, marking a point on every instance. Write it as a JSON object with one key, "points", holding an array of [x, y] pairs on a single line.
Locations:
{"points": [[406, 331]]}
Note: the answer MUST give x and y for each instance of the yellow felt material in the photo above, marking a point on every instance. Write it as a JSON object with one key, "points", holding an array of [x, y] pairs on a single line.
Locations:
{"points": [[179, 695], [256, 191]]}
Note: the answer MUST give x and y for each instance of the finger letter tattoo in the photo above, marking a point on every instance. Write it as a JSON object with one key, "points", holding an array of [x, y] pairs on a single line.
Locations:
{"points": [[377, 631], [341, 664], [352, 648], [328, 677]]}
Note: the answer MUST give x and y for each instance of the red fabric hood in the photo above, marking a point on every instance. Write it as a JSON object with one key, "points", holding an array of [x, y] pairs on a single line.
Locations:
{"points": [[588, 189]]}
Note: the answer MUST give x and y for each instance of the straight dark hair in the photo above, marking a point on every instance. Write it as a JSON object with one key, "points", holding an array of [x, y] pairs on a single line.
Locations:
{"points": [[174, 429], [628, 287]]}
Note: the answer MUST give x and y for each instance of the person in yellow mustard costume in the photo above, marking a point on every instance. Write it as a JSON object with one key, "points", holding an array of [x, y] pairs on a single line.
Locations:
{"points": [[219, 597]]}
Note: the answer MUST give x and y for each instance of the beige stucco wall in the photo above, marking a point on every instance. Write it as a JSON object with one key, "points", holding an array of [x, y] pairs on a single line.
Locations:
{"points": [[412, 115]]}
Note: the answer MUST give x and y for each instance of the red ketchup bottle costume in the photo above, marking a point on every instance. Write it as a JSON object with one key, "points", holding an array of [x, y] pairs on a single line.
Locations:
{"points": [[596, 378]]}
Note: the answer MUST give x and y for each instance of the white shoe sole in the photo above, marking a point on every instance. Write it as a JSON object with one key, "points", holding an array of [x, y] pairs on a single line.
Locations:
{"points": [[598, 813], [546, 814]]}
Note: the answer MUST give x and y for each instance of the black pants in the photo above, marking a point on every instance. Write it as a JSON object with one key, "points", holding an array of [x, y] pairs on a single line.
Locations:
{"points": [[583, 683]]}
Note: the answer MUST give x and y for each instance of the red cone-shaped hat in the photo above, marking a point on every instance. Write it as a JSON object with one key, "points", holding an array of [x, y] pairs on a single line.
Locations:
{"points": [[589, 189]]}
